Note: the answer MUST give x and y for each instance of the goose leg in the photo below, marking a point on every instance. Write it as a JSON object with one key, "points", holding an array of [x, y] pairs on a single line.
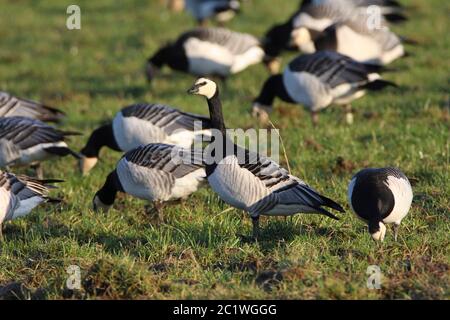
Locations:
{"points": [[39, 172], [255, 222], [396, 227], [1, 232], [315, 118], [158, 205], [348, 114]]}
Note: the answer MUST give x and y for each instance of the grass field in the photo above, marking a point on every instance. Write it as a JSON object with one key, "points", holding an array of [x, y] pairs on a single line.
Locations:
{"points": [[197, 252]]}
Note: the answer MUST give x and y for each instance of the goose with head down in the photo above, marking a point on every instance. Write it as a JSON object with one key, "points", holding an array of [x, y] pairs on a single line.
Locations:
{"points": [[249, 181], [318, 80], [12, 106], [25, 141], [143, 123], [380, 196], [20, 194], [159, 173], [210, 52]]}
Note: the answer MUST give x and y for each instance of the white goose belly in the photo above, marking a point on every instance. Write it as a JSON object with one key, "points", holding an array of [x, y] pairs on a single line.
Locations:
{"points": [[206, 58]]}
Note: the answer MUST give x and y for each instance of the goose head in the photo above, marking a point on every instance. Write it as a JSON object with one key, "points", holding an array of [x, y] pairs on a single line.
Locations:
{"points": [[302, 39], [204, 87], [86, 164], [98, 205]]}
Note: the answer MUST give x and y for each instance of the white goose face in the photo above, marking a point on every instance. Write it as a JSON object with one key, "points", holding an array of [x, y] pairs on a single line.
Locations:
{"points": [[379, 235], [98, 205], [301, 38], [204, 87]]}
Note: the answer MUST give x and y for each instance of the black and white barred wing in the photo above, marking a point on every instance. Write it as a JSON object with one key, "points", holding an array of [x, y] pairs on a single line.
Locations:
{"points": [[286, 191], [333, 69], [25, 133], [174, 160], [167, 118], [11, 106]]}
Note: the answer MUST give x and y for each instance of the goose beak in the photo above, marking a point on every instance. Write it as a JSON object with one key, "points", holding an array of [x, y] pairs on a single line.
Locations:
{"points": [[194, 89]]}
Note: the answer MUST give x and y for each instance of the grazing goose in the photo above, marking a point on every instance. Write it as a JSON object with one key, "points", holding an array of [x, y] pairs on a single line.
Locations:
{"points": [[20, 194], [11, 106], [210, 51], [318, 80], [140, 124], [347, 32], [221, 10], [249, 181], [25, 141], [353, 37], [380, 196], [155, 172]]}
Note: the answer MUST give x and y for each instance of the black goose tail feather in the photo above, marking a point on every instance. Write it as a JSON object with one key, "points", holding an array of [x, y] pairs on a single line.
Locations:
{"points": [[378, 85], [71, 133], [53, 200], [332, 204], [326, 213], [51, 114], [396, 17], [63, 151]]}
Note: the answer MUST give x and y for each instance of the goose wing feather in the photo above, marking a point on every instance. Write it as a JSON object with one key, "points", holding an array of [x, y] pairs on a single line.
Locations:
{"points": [[25, 133], [171, 159], [165, 117], [237, 43], [332, 68]]}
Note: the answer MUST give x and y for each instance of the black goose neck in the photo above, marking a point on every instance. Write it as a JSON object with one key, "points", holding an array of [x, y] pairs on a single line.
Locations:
{"points": [[273, 87], [215, 112], [107, 194]]}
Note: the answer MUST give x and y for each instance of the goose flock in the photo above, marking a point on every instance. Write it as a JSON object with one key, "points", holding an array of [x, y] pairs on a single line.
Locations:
{"points": [[168, 153]]}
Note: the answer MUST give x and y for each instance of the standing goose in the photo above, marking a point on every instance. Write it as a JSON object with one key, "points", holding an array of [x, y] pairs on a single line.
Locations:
{"points": [[318, 80], [20, 194], [11, 106], [25, 141], [140, 124], [380, 196], [249, 181], [155, 172], [210, 51]]}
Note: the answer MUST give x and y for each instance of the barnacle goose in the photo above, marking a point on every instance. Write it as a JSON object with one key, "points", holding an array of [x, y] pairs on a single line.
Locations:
{"points": [[249, 181], [314, 16], [221, 10], [210, 51], [380, 196], [140, 124], [20, 194], [25, 141], [11, 106], [155, 172], [344, 30], [318, 80]]}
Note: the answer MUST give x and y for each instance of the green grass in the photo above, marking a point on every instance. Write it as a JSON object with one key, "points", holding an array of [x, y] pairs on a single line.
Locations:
{"points": [[197, 253]]}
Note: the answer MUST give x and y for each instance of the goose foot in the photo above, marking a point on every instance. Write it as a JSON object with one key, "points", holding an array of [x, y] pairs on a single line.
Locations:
{"points": [[349, 114], [39, 172], [315, 118], [396, 228]]}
